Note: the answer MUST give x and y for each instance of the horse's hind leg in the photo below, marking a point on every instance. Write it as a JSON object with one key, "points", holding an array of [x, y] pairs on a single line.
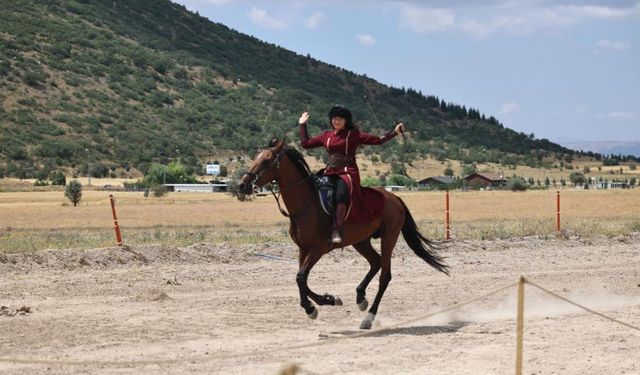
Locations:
{"points": [[388, 243], [368, 252]]}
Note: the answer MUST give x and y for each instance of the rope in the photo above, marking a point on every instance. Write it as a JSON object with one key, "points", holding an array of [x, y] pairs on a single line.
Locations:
{"points": [[582, 307], [247, 354], [302, 346], [273, 257]]}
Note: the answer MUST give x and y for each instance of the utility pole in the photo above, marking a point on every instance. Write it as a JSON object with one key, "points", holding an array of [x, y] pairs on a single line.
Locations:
{"points": [[88, 167]]}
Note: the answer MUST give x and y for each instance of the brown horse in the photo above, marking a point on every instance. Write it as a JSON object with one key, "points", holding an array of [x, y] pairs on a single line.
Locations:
{"points": [[310, 227]]}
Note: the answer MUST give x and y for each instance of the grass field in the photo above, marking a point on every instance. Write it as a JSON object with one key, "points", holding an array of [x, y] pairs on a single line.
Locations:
{"points": [[32, 221]]}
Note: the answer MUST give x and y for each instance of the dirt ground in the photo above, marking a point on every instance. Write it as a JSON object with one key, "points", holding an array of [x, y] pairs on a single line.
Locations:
{"points": [[235, 310]]}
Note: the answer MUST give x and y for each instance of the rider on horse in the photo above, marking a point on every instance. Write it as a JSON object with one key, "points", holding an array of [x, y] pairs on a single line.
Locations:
{"points": [[352, 201]]}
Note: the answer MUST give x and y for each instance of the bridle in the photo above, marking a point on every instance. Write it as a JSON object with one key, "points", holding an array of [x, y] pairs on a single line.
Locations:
{"points": [[276, 162]]}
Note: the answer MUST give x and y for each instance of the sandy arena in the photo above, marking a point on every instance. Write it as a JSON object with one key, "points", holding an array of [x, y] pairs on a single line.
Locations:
{"points": [[235, 310]]}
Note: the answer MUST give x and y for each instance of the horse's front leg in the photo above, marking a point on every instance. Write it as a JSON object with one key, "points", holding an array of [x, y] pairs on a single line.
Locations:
{"points": [[307, 261]]}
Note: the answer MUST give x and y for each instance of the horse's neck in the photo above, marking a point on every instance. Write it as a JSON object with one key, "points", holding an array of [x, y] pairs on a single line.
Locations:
{"points": [[294, 186]]}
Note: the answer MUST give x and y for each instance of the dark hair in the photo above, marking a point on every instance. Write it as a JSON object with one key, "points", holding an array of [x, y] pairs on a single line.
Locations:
{"points": [[340, 111]]}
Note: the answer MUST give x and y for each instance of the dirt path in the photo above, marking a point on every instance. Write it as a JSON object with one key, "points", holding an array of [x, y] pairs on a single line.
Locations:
{"points": [[231, 310]]}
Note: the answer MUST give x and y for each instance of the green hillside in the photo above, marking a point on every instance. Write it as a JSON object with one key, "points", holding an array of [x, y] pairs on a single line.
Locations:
{"points": [[120, 84]]}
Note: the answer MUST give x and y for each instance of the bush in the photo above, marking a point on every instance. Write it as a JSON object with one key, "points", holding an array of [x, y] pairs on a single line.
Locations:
{"points": [[159, 190], [34, 79], [136, 186], [58, 178], [73, 192], [517, 184], [371, 181], [400, 180], [577, 178]]}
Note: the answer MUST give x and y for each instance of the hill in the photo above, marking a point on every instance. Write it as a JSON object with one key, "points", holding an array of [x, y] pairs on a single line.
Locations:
{"points": [[121, 84]]}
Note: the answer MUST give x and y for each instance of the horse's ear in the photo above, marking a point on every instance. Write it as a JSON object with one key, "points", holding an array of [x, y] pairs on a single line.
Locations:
{"points": [[278, 144]]}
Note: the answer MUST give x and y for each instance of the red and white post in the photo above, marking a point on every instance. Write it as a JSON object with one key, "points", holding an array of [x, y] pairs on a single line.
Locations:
{"points": [[447, 225], [558, 211]]}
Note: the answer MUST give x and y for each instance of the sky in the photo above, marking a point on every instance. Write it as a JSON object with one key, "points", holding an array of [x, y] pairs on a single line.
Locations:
{"points": [[562, 70]]}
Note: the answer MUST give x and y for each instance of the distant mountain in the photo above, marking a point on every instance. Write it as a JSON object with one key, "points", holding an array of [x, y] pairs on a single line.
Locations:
{"points": [[121, 84], [604, 147]]}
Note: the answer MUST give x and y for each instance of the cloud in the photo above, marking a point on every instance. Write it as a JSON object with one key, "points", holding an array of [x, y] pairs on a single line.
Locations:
{"points": [[485, 19], [261, 18], [365, 40], [617, 45], [314, 21], [619, 115], [427, 20], [509, 108]]}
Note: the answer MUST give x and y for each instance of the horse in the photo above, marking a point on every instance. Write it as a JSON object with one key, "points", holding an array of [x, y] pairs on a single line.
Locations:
{"points": [[310, 227]]}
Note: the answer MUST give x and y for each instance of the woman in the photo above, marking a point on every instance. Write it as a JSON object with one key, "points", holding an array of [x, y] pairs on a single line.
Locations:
{"points": [[352, 202]]}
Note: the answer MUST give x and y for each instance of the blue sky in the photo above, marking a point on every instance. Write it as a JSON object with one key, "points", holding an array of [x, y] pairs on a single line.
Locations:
{"points": [[563, 70]]}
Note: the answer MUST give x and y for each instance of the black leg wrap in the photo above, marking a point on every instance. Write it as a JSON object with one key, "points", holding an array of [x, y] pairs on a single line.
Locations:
{"points": [[301, 279]]}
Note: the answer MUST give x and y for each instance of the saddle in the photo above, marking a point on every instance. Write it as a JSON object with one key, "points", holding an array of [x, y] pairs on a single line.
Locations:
{"points": [[326, 187], [326, 192]]}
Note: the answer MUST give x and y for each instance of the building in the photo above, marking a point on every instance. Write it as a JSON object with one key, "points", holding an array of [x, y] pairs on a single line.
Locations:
{"points": [[485, 180], [393, 188], [436, 182], [197, 188], [612, 185]]}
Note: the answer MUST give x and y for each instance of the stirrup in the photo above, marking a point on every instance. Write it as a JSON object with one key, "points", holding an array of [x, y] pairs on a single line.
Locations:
{"points": [[335, 237]]}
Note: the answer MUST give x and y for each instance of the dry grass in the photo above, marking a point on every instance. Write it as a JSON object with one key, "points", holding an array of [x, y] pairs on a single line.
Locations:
{"points": [[38, 220]]}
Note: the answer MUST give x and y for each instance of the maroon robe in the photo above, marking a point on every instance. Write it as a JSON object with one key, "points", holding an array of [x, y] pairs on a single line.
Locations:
{"points": [[365, 204]]}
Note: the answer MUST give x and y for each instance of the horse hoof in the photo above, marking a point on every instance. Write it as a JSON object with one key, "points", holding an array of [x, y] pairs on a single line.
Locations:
{"points": [[366, 324], [362, 305], [368, 321], [313, 314], [337, 301]]}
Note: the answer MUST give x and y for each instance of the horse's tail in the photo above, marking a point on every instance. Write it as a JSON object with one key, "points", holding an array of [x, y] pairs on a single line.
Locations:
{"points": [[423, 248]]}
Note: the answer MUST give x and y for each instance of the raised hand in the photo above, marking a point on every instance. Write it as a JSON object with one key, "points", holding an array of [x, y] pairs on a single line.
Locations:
{"points": [[303, 118], [399, 128]]}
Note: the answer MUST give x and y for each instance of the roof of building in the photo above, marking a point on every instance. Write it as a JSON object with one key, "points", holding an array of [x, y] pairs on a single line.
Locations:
{"points": [[489, 176], [437, 179]]}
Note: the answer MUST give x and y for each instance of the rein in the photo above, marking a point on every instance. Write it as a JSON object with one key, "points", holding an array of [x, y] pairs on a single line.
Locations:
{"points": [[277, 198]]}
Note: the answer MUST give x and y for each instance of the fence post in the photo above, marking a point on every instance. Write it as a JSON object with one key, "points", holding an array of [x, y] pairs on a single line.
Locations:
{"points": [[520, 325], [557, 210], [115, 220], [446, 217]]}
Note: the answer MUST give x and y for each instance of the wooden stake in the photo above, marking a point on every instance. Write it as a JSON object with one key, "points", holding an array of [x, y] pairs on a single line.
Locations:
{"points": [[115, 220]]}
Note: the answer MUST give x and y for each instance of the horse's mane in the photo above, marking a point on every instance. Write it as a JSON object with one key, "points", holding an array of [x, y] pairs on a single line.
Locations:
{"points": [[301, 164]]}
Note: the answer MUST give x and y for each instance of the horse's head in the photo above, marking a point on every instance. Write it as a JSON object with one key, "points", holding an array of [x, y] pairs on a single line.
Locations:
{"points": [[263, 169]]}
